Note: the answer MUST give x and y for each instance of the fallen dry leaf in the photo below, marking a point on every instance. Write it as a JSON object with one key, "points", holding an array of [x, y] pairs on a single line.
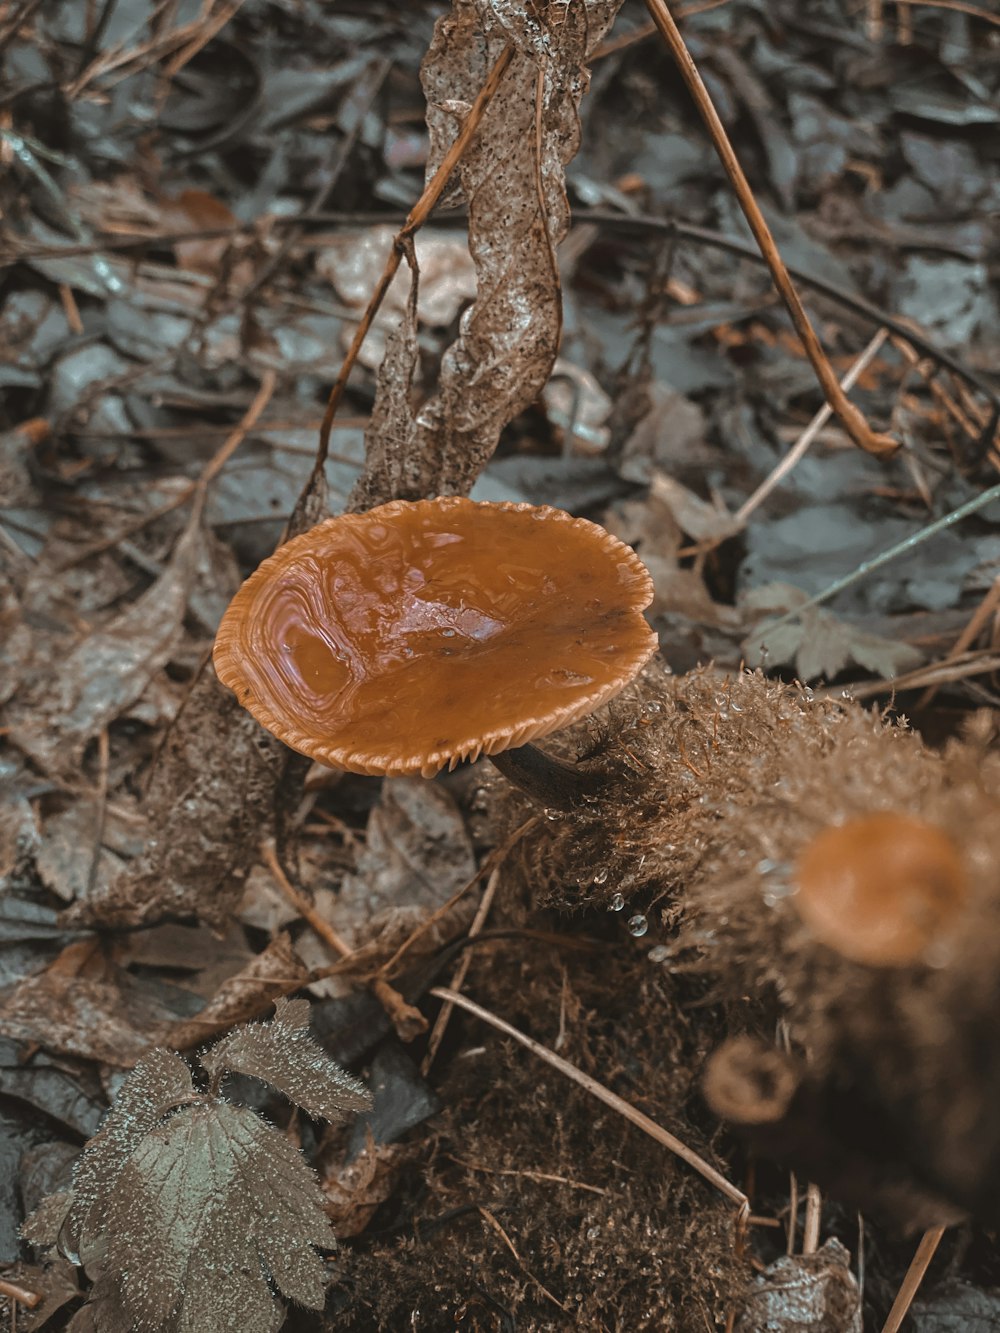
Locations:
{"points": [[271, 974], [70, 700], [210, 800]]}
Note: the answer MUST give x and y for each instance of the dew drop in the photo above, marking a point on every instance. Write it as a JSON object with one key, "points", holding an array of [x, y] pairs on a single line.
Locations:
{"points": [[602, 876], [617, 902], [638, 925], [659, 953]]}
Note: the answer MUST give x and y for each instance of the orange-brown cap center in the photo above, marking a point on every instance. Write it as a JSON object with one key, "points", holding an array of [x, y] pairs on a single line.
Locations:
{"points": [[419, 634]]}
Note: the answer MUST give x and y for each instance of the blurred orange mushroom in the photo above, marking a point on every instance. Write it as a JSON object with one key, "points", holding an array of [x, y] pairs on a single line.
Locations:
{"points": [[423, 633], [881, 888]]}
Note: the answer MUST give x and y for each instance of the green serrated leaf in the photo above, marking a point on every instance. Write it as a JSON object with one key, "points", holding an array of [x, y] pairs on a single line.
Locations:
{"points": [[212, 1203], [159, 1080], [283, 1054]]}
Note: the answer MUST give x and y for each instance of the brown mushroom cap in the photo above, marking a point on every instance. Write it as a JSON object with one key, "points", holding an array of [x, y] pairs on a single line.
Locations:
{"points": [[880, 889], [422, 633]]}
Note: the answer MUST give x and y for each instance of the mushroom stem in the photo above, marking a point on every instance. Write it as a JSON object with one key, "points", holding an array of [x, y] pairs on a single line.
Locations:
{"points": [[549, 780]]}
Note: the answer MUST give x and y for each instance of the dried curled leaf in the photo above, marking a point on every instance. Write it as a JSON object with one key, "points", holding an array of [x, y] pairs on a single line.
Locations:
{"points": [[283, 1054], [512, 175]]}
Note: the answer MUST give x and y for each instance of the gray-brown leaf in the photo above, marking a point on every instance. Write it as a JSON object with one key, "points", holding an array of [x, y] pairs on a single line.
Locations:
{"points": [[283, 1054], [159, 1080], [210, 1204], [92, 684]]}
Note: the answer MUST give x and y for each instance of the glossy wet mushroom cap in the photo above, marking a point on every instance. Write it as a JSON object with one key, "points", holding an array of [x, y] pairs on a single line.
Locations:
{"points": [[419, 634], [882, 888]]}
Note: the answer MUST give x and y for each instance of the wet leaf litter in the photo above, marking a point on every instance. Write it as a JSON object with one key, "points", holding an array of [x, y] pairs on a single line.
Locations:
{"points": [[175, 319]]}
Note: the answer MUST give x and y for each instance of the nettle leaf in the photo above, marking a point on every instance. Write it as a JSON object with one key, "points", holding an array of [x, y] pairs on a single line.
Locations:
{"points": [[159, 1081], [42, 1225], [818, 642], [283, 1054], [188, 1211], [210, 1205]]}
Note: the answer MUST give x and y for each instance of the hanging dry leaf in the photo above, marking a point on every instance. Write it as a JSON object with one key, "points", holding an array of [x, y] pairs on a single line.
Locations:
{"points": [[283, 1054], [512, 176]]}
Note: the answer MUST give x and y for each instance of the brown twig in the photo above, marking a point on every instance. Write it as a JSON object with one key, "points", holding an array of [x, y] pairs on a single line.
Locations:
{"points": [[852, 418], [965, 640], [802, 444], [327, 933], [417, 216], [950, 669], [461, 969], [605, 1095], [488, 1217], [15, 1292], [919, 1265]]}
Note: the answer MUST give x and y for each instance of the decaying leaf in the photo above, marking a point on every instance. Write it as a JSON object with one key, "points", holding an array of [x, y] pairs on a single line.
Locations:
{"points": [[417, 853], [81, 1015], [247, 992], [817, 642], [211, 800], [185, 1208], [814, 1292], [15, 638], [353, 262], [512, 176], [355, 1189], [54, 717], [283, 1054]]}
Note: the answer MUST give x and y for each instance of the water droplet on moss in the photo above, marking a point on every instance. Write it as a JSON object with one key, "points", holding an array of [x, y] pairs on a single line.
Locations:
{"points": [[617, 903], [638, 925]]}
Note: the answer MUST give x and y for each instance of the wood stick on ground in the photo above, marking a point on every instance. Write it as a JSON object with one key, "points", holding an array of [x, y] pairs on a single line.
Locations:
{"points": [[459, 974], [15, 1292], [802, 444], [604, 1095], [416, 218], [965, 640], [919, 1265], [852, 418], [813, 1218], [301, 903]]}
